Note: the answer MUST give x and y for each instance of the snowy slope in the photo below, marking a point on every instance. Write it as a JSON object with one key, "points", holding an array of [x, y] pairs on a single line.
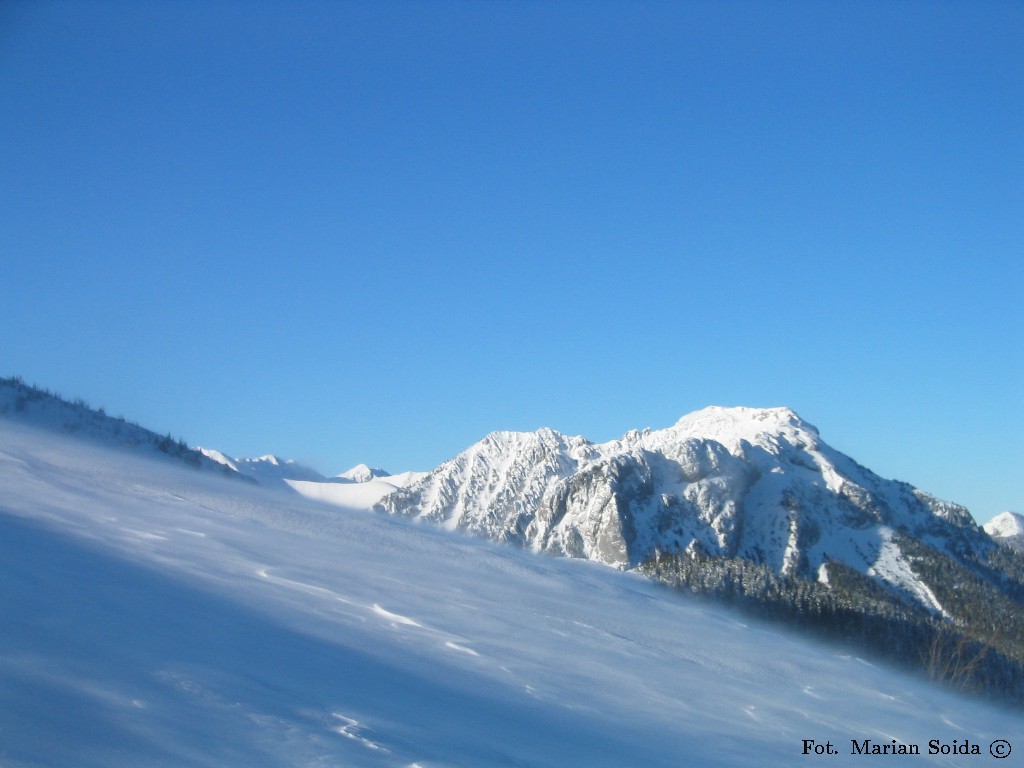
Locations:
{"points": [[362, 493], [758, 484], [1007, 528], [26, 404], [153, 616]]}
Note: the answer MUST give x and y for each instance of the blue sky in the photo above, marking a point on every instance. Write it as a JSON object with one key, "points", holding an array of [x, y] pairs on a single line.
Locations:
{"points": [[348, 232]]}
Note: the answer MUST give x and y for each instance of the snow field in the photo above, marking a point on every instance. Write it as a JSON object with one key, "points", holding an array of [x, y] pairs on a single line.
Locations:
{"points": [[155, 616]]}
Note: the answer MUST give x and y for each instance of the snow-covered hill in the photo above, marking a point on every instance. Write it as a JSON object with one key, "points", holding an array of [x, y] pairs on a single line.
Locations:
{"points": [[40, 408], [1007, 528], [750, 483], [359, 487], [154, 616]]}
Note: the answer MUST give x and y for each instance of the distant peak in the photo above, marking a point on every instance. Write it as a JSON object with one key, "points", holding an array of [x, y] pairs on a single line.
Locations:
{"points": [[271, 469], [1005, 525], [363, 473]]}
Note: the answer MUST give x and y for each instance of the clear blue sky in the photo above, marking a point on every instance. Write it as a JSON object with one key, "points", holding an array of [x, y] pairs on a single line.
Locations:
{"points": [[348, 232]]}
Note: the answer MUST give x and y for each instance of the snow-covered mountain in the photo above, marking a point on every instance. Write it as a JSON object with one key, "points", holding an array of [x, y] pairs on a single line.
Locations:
{"points": [[271, 471], [360, 487], [361, 473], [1007, 528], [751, 483], [155, 616]]}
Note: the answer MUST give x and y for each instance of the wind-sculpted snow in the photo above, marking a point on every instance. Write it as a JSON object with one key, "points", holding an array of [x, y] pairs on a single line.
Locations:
{"points": [[153, 616], [757, 484]]}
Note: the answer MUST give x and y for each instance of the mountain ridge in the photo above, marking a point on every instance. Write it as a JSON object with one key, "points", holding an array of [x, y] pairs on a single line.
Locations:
{"points": [[710, 479]]}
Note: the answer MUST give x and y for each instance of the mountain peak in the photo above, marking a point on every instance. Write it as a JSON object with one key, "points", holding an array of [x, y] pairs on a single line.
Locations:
{"points": [[743, 413], [363, 473], [1007, 528], [731, 425]]}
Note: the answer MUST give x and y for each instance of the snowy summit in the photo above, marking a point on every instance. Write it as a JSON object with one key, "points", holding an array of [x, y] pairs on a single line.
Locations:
{"points": [[361, 473], [1008, 529]]}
